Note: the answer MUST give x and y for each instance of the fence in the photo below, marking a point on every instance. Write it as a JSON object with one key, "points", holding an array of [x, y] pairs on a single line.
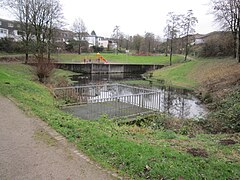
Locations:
{"points": [[115, 100]]}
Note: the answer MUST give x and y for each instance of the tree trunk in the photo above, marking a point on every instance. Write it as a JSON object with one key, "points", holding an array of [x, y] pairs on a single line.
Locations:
{"points": [[186, 49], [149, 47], [26, 58], [79, 48], [234, 44], [166, 50], [238, 37], [49, 56], [171, 51], [238, 47], [117, 48], [27, 31], [26, 50]]}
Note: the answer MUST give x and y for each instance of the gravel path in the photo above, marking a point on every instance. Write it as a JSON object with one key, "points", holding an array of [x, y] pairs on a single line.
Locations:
{"points": [[29, 149]]}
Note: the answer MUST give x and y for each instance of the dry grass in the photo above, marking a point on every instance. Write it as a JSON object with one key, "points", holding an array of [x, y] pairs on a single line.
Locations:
{"points": [[217, 76]]}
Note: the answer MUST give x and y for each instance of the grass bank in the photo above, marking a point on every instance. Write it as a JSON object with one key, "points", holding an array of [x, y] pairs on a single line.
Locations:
{"points": [[180, 75], [120, 58], [197, 74], [60, 78], [137, 152]]}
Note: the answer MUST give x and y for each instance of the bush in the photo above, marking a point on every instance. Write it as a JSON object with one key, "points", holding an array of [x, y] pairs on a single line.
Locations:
{"points": [[226, 116], [217, 44], [97, 49], [10, 46], [44, 69]]}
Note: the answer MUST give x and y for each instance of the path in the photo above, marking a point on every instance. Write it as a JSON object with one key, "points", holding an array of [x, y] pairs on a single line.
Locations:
{"points": [[29, 149]]}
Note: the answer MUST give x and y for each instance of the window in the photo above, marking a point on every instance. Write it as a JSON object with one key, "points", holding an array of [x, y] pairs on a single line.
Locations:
{"points": [[3, 31], [0, 23], [10, 24]]}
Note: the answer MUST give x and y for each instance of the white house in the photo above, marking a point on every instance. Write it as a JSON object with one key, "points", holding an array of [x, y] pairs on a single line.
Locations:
{"points": [[9, 29], [199, 39]]}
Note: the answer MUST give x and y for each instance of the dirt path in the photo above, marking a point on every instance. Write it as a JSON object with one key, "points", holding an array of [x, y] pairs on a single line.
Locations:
{"points": [[29, 149]]}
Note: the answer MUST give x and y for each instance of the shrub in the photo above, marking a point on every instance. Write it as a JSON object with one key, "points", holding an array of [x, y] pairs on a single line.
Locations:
{"points": [[217, 44], [9, 45], [44, 69], [226, 116]]}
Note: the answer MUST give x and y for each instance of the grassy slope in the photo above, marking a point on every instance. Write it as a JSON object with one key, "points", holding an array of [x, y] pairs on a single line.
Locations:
{"points": [[200, 72], [120, 58], [178, 75], [138, 152]]}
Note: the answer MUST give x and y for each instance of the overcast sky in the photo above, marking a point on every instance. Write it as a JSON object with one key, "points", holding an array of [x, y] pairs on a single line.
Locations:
{"points": [[133, 16]]}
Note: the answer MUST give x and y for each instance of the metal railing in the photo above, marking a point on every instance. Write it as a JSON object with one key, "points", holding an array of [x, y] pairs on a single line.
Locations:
{"points": [[115, 100]]}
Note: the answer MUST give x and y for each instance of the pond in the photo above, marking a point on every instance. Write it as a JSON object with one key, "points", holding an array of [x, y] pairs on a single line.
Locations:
{"points": [[177, 102], [87, 79]]}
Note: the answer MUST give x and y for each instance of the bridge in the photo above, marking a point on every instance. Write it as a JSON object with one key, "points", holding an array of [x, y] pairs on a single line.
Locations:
{"points": [[98, 68]]}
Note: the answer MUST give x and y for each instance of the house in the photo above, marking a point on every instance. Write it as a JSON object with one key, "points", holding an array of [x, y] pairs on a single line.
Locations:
{"points": [[198, 39], [63, 36], [9, 29], [107, 43], [94, 40]]}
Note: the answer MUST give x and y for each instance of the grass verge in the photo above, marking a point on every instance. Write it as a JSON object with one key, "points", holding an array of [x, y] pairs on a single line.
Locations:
{"points": [[137, 152]]}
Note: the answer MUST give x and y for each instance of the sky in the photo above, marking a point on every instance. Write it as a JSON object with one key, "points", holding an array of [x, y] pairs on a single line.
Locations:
{"points": [[133, 16]]}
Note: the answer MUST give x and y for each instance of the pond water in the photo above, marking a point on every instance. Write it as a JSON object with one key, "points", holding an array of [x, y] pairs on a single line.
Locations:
{"points": [[177, 102], [87, 79]]}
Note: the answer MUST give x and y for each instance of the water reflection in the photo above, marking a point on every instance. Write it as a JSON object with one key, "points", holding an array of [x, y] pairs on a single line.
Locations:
{"points": [[177, 102], [87, 79]]}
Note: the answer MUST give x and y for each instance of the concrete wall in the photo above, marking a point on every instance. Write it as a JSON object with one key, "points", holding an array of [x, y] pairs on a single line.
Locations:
{"points": [[108, 68]]}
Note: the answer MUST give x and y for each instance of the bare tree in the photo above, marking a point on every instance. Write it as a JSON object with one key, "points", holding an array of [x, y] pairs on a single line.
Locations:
{"points": [[80, 29], [20, 9], [187, 27], [137, 42], [55, 22], [167, 36], [238, 30], [37, 18], [227, 13], [44, 16], [116, 32], [149, 42], [121, 41], [172, 30]]}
